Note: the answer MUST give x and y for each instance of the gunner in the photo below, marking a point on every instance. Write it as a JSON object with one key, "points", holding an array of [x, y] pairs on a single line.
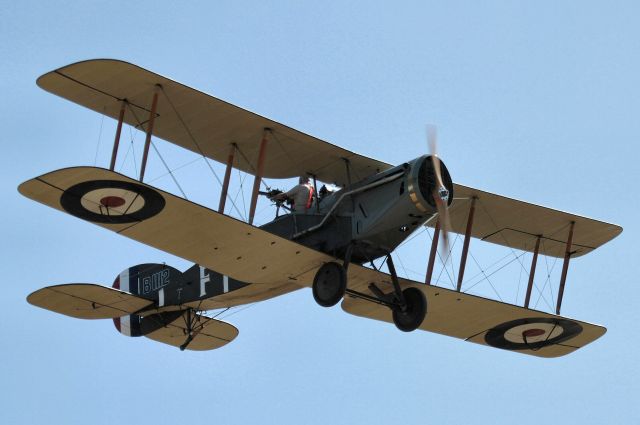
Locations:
{"points": [[301, 196]]}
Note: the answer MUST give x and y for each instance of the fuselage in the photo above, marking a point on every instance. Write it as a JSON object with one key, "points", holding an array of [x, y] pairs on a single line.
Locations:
{"points": [[373, 215]]}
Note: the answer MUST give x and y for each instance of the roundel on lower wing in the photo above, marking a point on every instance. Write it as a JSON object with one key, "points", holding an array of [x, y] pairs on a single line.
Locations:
{"points": [[532, 333], [112, 201]]}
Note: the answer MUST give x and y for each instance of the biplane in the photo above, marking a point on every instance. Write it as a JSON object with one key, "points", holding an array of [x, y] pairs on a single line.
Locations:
{"points": [[375, 208]]}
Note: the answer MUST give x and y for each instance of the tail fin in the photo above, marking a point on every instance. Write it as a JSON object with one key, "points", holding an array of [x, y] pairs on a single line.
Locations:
{"points": [[155, 282]]}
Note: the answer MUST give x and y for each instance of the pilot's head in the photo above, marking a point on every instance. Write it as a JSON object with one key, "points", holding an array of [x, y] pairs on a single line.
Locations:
{"points": [[303, 180]]}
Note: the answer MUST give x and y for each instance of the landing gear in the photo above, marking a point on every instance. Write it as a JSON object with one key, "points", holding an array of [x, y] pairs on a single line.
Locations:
{"points": [[329, 284], [408, 306], [409, 317]]}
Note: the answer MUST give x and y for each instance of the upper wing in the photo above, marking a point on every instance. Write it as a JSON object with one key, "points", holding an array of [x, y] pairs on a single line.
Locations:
{"points": [[207, 125], [517, 224], [202, 123]]}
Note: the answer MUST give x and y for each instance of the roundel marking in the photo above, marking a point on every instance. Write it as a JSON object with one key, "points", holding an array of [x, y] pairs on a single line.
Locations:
{"points": [[112, 201], [532, 333]]}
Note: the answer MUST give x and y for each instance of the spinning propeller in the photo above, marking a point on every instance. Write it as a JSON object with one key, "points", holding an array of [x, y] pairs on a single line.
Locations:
{"points": [[440, 192]]}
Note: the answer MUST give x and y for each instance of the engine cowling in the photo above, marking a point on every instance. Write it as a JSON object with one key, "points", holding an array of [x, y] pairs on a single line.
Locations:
{"points": [[422, 183], [387, 214]]}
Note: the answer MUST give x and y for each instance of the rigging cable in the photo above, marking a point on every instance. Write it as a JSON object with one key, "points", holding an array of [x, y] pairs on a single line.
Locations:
{"points": [[95, 158], [547, 281], [485, 276], [231, 313], [491, 274], [445, 261], [519, 284], [169, 170], [507, 244], [193, 139]]}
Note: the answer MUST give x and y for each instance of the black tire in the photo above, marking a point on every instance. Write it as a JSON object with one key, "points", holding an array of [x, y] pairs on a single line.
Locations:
{"points": [[414, 313], [329, 284]]}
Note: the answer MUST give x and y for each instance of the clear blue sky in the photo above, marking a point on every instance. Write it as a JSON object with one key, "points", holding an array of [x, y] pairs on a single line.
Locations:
{"points": [[533, 100]]}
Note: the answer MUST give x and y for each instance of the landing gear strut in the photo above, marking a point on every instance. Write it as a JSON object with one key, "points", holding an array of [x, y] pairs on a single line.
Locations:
{"points": [[408, 306]]}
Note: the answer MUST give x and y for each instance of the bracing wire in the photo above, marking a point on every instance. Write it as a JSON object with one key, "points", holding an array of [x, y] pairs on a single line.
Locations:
{"points": [[231, 313], [95, 158], [206, 160], [169, 170], [547, 281], [485, 277], [494, 264], [402, 265], [444, 261], [186, 164], [507, 243], [196, 144], [241, 191], [519, 284], [496, 271]]}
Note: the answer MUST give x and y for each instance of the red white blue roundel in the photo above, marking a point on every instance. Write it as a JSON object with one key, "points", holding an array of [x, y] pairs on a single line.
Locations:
{"points": [[532, 333], [112, 201]]}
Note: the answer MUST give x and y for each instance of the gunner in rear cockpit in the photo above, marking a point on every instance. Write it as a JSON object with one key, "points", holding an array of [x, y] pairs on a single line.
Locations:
{"points": [[300, 195]]}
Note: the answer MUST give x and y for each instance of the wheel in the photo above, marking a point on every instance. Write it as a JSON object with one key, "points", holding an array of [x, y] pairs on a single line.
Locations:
{"points": [[411, 317], [329, 284]]}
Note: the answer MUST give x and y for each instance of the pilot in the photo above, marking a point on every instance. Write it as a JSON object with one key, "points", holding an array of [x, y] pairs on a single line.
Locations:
{"points": [[301, 196]]}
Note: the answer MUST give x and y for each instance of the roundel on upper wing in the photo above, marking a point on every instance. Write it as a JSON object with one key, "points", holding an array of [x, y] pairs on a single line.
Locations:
{"points": [[532, 333], [112, 201]]}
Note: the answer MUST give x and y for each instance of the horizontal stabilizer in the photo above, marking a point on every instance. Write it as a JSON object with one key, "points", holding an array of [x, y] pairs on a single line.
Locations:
{"points": [[207, 333], [87, 301]]}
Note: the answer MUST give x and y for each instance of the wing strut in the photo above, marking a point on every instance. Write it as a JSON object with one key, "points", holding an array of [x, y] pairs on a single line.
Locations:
{"points": [[432, 253], [532, 273], [116, 141], [565, 267], [467, 239], [147, 142], [227, 177], [258, 177]]}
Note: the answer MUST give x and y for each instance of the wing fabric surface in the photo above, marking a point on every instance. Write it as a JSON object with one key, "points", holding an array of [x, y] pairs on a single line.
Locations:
{"points": [[175, 225], [517, 224], [87, 301], [483, 321], [202, 123], [209, 334]]}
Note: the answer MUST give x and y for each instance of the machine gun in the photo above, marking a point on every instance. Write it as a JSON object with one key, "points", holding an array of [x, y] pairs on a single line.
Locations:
{"points": [[280, 203]]}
